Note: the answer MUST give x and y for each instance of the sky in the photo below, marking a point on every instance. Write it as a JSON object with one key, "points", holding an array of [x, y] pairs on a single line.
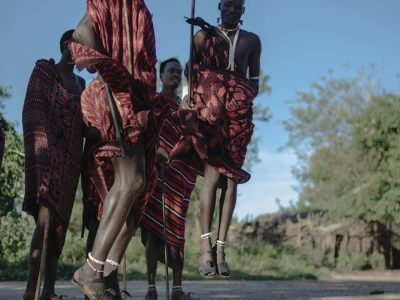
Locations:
{"points": [[301, 41]]}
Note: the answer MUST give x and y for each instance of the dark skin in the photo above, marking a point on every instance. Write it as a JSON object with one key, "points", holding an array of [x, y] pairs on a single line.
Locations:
{"points": [[248, 50], [116, 227], [75, 85], [171, 79], [247, 57]]}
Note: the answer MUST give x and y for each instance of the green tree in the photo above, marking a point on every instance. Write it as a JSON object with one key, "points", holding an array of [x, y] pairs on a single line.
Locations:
{"points": [[261, 113], [321, 131], [16, 228], [12, 170], [376, 140]]}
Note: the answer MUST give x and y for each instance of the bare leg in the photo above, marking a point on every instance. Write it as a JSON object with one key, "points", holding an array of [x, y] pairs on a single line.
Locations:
{"points": [[51, 263], [116, 253], [94, 225], [227, 206], [36, 252], [207, 207], [176, 263], [129, 180], [152, 253]]}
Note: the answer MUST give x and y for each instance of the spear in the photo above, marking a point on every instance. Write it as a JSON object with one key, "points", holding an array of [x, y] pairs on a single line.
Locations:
{"points": [[164, 231], [43, 260], [190, 70]]}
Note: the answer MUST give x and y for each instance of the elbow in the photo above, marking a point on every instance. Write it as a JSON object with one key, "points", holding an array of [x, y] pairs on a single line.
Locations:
{"points": [[77, 36]]}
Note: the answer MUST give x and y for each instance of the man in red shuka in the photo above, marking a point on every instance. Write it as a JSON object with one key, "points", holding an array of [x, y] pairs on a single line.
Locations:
{"points": [[225, 82]]}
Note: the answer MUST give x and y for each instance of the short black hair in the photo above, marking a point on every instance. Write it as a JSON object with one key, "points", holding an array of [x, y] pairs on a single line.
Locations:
{"points": [[164, 63], [65, 37], [243, 1]]}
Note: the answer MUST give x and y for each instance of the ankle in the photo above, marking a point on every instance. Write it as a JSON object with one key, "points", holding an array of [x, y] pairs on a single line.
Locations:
{"points": [[205, 242], [220, 246], [111, 268], [94, 264]]}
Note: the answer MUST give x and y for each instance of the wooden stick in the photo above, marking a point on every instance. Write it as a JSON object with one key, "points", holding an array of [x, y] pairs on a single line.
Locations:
{"points": [[165, 234], [42, 269], [190, 70]]}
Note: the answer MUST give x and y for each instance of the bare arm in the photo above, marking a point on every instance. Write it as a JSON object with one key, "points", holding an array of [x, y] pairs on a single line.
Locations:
{"points": [[197, 40], [254, 62], [85, 34]]}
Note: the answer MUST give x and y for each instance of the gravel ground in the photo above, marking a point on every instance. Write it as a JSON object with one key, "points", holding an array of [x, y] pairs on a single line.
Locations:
{"points": [[357, 286]]}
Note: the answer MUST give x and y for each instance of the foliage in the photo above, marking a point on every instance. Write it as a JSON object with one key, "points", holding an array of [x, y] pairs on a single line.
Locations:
{"points": [[16, 228], [11, 172], [257, 261], [323, 116], [377, 142], [346, 135], [359, 262], [260, 114], [15, 238]]}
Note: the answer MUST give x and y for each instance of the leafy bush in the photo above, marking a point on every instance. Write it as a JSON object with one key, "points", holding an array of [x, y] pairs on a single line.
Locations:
{"points": [[14, 245], [353, 262]]}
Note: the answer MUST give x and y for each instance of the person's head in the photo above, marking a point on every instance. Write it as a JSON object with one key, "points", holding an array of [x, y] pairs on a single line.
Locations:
{"points": [[231, 12], [65, 38], [171, 72]]}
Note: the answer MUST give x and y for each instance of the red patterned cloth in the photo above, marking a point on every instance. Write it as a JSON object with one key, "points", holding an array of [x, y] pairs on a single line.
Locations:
{"points": [[177, 184], [220, 127], [2, 143], [52, 127], [133, 84]]}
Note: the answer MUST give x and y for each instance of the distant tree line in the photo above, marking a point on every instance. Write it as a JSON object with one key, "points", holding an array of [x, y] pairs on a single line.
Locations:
{"points": [[345, 132]]}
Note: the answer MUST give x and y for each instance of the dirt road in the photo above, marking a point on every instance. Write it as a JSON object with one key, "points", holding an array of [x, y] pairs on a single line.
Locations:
{"points": [[357, 286]]}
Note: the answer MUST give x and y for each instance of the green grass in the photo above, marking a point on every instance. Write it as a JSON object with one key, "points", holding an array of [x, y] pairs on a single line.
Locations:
{"points": [[257, 261], [247, 262], [253, 261]]}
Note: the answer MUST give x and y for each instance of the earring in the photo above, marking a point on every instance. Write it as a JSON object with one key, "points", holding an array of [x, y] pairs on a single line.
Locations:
{"points": [[241, 22], [218, 20]]}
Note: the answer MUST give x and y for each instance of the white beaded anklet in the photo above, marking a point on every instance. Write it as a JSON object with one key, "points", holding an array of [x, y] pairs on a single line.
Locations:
{"points": [[96, 260], [91, 258], [206, 235], [93, 268], [113, 263], [221, 243]]}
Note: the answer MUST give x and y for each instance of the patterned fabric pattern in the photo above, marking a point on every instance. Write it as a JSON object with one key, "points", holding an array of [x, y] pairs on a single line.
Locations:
{"points": [[131, 76], [177, 184], [222, 128], [52, 126]]}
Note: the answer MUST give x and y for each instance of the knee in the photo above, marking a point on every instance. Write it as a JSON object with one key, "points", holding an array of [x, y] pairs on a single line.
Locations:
{"points": [[211, 177], [231, 186], [175, 260], [44, 218], [139, 183], [132, 185]]}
